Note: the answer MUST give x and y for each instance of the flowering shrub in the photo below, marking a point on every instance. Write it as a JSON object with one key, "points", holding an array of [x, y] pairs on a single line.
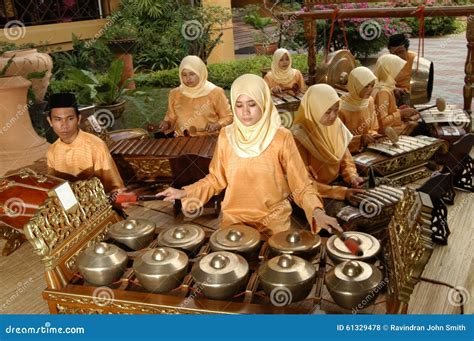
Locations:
{"points": [[364, 36]]}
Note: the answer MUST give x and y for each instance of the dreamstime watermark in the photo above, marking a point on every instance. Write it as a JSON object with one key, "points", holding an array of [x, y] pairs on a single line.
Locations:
{"points": [[22, 109], [103, 296], [14, 207], [111, 20], [286, 118], [105, 118], [14, 30], [20, 290], [458, 296], [281, 296], [369, 209], [192, 208], [462, 28], [370, 30], [192, 30], [197, 291], [206, 107], [370, 296]]}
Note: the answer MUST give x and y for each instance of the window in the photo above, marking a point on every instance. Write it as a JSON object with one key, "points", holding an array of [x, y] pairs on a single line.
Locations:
{"points": [[39, 12]]}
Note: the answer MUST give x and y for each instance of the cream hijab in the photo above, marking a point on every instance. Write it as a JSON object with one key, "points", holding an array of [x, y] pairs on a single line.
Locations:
{"points": [[196, 65], [252, 141], [387, 69], [359, 78], [278, 74], [325, 143]]}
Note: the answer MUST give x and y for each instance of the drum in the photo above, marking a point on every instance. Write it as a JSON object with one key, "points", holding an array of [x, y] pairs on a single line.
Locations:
{"points": [[21, 194]]}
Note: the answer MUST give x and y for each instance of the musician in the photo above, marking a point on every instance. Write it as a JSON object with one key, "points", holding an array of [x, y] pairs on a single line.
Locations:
{"points": [[196, 103], [357, 109], [404, 119], [282, 76], [257, 163], [77, 155], [398, 45], [322, 140]]}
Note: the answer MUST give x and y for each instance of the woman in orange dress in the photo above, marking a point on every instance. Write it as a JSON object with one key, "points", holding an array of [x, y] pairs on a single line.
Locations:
{"points": [[257, 162], [197, 105]]}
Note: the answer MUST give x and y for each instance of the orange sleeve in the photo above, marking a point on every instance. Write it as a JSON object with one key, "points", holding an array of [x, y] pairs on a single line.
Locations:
{"points": [[106, 170], [170, 113], [384, 116], [271, 83], [300, 80], [212, 184], [303, 192], [348, 168], [222, 108]]}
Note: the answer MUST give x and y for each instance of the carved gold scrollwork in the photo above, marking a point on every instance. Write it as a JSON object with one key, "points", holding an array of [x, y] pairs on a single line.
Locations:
{"points": [[410, 244], [148, 168], [53, 231]]}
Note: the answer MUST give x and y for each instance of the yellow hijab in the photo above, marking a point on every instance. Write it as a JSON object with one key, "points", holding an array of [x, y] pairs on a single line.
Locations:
{"points": [[252, 141], [196, 65], [278, 74], [325, 143], [387, 69], [359, 78]]}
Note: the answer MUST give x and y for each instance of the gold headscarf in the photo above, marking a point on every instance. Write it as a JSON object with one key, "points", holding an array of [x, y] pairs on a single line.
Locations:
{"points": [[387, 69], [196, 65], [278, 74], [325, 143], [359, 78], [252, 141]]}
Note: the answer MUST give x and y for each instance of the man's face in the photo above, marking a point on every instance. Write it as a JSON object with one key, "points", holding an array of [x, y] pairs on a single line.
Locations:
{"points": [[65, 123], [400, 51]]}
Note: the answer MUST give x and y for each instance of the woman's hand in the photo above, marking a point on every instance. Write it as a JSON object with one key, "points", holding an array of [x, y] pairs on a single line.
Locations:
{"points": [[367, 139], [171, 194], [165, 125], [277, 90], [357, 181], [409, 114], [351, 192], [212, 127], [323, 221]]}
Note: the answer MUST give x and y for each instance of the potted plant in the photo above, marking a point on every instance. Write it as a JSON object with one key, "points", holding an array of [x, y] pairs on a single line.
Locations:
{"points": [[265, 42], [121, 38], [107, 92]]}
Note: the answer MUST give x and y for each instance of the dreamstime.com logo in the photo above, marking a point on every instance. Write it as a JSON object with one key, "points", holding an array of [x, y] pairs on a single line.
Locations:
{"points": [[105, 118], [14, 207], [458, 296], [103, 296], [193, 208], [14, 30], [370, 30], [192, 30], [369, 209], [280, 296]]}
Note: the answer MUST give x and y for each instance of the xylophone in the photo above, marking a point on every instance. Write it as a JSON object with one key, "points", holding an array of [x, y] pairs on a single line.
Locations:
{"points": [[402, 162], [450, 124], [286, 104], [371, 210], [179, 160]]}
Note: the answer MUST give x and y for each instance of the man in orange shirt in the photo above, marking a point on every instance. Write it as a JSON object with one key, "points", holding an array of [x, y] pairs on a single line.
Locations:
{"points": [[77, 155], [398, 45]]}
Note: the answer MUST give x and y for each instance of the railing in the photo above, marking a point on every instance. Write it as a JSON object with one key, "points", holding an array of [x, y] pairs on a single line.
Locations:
{"points": [[40, 12]]}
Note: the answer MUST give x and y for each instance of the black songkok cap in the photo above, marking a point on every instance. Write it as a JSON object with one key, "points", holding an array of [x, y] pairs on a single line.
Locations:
{"points": [[62, 100], [398, 39]]}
